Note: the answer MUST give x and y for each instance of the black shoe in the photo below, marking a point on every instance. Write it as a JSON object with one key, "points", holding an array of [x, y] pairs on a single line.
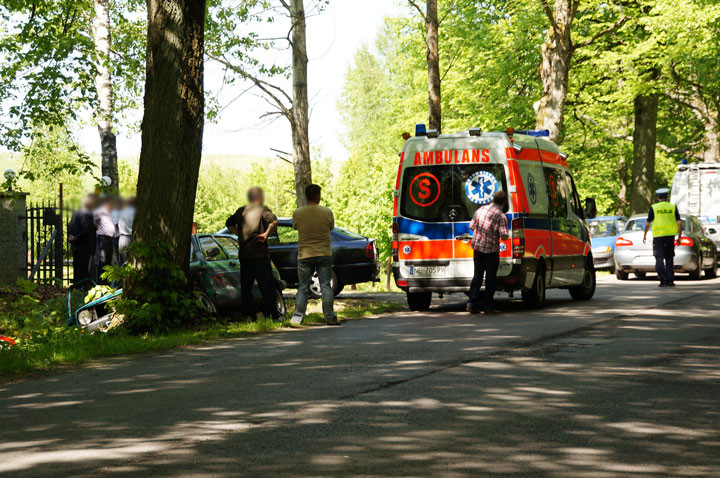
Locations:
{"points": [[662, 284], [332, 322], [672, 284], [492, 312], [472, 310]]}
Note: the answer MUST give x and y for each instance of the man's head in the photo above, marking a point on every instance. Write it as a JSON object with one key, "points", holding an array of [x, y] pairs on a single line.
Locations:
{"points": [[256, 195], [313, 192], [662, 194], [90, 202], [500, 198]]}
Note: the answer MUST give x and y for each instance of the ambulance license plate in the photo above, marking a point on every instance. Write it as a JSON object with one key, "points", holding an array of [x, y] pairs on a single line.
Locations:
{"points": [[428, 270]]}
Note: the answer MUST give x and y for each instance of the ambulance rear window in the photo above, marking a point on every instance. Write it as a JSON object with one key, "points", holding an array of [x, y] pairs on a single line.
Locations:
{"points": [[449, 193]]}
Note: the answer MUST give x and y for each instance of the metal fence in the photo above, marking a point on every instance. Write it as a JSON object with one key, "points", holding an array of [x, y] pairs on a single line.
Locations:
{"points": [[49, 260]]}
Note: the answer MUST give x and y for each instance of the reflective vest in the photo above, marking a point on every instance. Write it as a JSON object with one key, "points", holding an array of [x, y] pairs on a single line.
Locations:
{"points": [[665, 224]]}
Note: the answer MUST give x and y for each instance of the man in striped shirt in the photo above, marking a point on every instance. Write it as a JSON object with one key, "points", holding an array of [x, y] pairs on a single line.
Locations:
{"points": [[489, 226]]}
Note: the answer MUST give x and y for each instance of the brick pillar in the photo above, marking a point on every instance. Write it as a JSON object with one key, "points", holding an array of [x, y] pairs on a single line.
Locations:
{"points": [[13, 242]]}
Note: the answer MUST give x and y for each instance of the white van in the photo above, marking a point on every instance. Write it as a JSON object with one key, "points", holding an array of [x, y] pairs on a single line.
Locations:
{"points": [[696, 191]]}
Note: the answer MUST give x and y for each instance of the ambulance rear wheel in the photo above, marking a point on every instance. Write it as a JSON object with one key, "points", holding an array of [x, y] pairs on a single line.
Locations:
{"points": [[621, 274], [419, 301], [535, 297]]}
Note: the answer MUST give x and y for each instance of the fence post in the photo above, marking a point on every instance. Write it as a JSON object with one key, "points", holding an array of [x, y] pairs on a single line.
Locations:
{"points": [[59, 240], [13, 238]]}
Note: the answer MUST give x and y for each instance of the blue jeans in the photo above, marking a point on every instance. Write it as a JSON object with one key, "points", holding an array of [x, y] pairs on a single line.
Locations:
{"points": [[306, 269]]}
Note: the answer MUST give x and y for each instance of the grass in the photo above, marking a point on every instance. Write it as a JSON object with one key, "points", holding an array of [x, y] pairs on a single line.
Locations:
{"points": [[35, 318]]}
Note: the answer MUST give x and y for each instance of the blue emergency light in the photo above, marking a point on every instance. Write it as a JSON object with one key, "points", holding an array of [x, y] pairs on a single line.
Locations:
{"points": [[534, 132], [683, 161], [420, 130]]}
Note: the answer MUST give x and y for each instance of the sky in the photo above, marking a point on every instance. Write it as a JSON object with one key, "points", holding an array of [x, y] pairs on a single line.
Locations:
{"points": [[333, 38]]}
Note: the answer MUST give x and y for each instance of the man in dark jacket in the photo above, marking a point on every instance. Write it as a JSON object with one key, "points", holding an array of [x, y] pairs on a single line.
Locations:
{"points": [[81, 236], [253, 224]]}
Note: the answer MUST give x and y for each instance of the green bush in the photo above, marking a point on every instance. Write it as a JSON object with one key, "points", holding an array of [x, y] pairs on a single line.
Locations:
{"points": [[160, 297]]}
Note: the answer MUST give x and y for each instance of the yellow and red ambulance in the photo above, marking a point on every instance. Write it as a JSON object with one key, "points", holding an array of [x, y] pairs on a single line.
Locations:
{"points": [[443, 179]]}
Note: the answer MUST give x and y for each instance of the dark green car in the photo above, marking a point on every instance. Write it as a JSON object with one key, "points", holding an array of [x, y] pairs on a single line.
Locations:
{"points": [[214, 273]]}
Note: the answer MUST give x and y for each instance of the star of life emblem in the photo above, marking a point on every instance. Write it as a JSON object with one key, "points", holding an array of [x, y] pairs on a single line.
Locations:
{"points": [[480, 187]]}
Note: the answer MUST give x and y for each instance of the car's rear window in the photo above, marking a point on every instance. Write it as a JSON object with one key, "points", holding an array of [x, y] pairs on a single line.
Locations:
{"points": [[603, 228], [449, 193]]}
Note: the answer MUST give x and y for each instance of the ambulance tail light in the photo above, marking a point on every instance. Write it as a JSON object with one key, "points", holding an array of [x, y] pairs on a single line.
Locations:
{"points": [[518, 238], [622, 242], [395, 230], [685, 242]]}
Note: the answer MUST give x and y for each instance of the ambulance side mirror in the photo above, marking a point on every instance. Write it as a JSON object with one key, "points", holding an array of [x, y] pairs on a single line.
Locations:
{"points": [[590, 208]]}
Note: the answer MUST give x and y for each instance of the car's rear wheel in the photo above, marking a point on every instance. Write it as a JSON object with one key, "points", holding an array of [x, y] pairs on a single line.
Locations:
{"points": [[206, 303], [711, 273], [697, 273], [535, 297], [419, 301], [281, 306], [586, 290], [316, 291], [640, 275], [621, 274]]}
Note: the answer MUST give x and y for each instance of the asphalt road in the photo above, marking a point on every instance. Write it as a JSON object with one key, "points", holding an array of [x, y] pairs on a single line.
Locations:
{"points": [[625, 385]]}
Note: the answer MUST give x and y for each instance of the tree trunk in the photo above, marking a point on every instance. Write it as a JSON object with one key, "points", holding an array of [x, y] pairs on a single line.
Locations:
{"points": [[711, 140], [554, 71], [172, 125], [103, 85], [621, 209], [644, 138], [433, 65], [299, 118]]}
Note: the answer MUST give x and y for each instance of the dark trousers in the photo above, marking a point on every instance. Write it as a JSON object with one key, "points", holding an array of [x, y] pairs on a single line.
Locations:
{"points": [[259, 270], [486, 266], [81, 264], [664, 252], [104, 250]]}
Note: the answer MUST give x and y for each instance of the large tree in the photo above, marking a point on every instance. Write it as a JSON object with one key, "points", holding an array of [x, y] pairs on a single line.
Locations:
{"points": [[59, 61], [241, 52], [557, 52], [432, 25], [172, 126], [104, 88]]}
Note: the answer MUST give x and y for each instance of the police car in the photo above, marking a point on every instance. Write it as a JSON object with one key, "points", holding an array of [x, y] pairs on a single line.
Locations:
{"points": [[443, 179]]}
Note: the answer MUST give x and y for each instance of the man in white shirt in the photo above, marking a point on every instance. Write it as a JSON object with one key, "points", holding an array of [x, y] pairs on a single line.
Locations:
{"points": [[125, 225], [106, 233]]}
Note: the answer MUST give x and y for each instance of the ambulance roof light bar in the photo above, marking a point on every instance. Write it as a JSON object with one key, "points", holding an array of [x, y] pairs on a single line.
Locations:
{"points": [[475, 132], [433, 133], [420, 130], [533, 132]]}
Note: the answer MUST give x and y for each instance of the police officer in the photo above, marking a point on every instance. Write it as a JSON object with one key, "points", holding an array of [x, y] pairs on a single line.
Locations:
{"points": [[666, 224]]}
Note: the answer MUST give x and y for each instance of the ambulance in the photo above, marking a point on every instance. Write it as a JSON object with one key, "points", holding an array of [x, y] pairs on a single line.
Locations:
{"points": [[443, 179]]}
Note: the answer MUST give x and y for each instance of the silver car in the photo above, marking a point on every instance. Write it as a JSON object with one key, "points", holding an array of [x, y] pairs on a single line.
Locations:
{"points": [[694, 254]]}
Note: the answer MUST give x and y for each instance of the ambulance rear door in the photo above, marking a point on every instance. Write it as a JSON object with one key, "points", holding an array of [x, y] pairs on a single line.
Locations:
{"points": [[475, 184], [425, 232]]}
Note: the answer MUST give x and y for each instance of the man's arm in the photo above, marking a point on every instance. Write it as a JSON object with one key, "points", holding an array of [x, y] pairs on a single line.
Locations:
{"points": [[272, 221], [679, 223], [648, 223], [504, 234], [232, 223]]}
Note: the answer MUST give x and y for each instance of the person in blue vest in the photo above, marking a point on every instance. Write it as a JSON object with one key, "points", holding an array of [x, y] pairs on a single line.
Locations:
{"points": [[666, 223]]}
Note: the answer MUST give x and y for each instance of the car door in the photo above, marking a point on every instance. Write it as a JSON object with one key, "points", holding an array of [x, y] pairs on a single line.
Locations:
{"points": [[579, 233], [283, 247], [222, 270], [560, 227]]}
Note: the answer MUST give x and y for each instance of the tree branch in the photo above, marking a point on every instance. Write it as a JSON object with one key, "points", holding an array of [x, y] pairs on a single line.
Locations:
{"points": [[602, 33], [268, 88], [422, 14], [550, 14]]}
